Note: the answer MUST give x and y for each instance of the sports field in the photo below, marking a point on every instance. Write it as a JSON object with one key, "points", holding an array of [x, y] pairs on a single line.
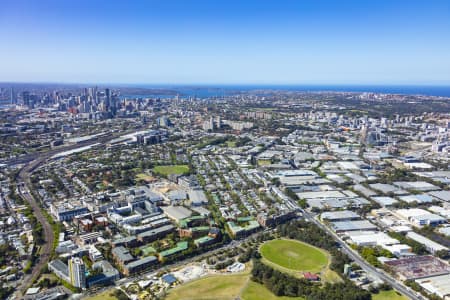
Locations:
{"points": [[171, 169], [294, 255], [388, 295]]}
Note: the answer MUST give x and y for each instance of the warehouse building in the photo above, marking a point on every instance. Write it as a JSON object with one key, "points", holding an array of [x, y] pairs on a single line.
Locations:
{"points": [[384, 201], [370, 238], [416, 198], [361, 225], [441, 195], [430, 245], [438, 285], [422, 186], [342, 215], [420, 217], [399, 250]]}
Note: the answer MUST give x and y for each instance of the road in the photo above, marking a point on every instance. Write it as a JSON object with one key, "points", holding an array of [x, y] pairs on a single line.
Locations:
{"points": [[397, 285], [24, 185]]}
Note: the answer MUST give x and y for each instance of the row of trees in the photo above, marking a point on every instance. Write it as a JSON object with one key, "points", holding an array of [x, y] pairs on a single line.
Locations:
{"points": [[371, 254], [416, 287]]}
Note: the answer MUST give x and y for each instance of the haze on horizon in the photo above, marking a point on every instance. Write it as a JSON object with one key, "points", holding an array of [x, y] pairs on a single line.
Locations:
{"points": [[231, 42]]}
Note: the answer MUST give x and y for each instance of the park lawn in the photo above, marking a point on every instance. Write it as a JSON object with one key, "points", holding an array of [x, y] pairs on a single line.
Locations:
{"points": [[144, 177], [388, 295], [256, 291], [264, 162], [171, 169], [218, 287], [231, 144], [294, 255], [330, 276]]}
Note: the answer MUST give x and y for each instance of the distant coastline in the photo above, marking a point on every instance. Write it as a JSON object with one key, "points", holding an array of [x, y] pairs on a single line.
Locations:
{"points": [[210, 90], [222, 90]]}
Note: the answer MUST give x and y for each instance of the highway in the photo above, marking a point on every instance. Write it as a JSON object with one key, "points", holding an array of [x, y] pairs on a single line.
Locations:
{"points": [[397, 285]]}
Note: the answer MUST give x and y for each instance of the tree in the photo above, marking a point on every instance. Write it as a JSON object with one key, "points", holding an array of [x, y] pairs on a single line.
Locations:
{"points": [[444, 254]]}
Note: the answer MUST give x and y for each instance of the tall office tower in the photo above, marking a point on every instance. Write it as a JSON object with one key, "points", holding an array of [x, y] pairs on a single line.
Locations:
{"points": [[95, 91], [114, 104], [26, 98], [108, 99], [218, 122], [77, 272], [163, 121], [90, 92], [13, 98], [208, 125]]}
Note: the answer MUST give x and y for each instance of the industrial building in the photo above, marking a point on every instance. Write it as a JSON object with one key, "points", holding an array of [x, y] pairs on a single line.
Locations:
{"points": [[370, 238], [361, 225], [420, 217], [417, 267], [342, 215], [430, 245], [438, 285]]}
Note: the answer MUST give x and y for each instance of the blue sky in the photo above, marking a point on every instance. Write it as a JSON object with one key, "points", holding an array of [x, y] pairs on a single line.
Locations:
{"points": [[226, 42]]}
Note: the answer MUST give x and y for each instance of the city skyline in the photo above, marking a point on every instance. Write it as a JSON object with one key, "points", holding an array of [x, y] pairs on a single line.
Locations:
{"points": [[387, 42]]}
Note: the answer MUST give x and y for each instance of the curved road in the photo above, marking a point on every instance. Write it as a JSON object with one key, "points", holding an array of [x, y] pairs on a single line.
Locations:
{"points": [[24, 186]]}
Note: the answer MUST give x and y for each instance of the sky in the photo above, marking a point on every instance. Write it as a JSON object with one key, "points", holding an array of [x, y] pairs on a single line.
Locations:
{"points": [[226, 42]]}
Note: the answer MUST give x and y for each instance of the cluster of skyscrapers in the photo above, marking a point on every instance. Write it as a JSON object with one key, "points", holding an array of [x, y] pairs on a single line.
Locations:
{"points": [[91, 100]]}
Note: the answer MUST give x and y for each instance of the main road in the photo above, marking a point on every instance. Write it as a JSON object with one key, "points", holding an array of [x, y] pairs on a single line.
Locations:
{"points": [[397, 285], [363, 263]]}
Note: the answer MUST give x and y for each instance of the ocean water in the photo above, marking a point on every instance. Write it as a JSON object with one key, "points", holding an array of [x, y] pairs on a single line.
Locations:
{"points": [[223, 90]]}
